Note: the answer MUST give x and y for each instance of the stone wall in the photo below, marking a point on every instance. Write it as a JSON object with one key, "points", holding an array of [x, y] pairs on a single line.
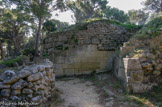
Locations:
{"points": [[139, 64], [33, 84], [85, 51]]}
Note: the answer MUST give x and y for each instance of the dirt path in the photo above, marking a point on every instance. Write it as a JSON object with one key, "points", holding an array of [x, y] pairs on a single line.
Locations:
{"points": [[78, 93], [102, 90]]}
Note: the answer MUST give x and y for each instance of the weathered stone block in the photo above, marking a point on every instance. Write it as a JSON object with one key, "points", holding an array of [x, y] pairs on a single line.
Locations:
{"points": [[136, 76], [27, 91], [132, 64], [5, 92], [19, 85], [16, 92], [35, 77], [4, 86]]}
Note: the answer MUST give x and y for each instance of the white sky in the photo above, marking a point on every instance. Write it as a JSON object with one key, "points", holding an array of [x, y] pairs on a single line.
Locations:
{"points": [[124, 5]]}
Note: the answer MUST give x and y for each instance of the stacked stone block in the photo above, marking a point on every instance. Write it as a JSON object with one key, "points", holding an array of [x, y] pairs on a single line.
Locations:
{"points": [[32, 84], [141, 64], [85, 51]]}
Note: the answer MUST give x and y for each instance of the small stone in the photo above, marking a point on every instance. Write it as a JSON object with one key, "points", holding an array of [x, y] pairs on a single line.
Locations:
{"points": [[12, 80], [5, 92], [23, 73], [151, 56], [32, 69], [44, 73], [154, 63], [16, 92], [7, 75], [36, 99], [158, 67], [30, 96], [30, 85], [146, 65], [41, 68], [15, 98], [19, 85], [35, 77], [157, 73], [27, 91], [4, 86]]}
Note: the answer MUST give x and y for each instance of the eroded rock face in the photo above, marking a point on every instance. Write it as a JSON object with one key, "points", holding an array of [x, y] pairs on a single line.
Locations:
{"points": [[33, 83]]}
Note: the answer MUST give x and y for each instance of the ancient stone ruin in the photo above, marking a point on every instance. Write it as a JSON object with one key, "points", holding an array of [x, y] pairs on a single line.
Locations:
{"points": [[96, 49], [88, 50], [33, 84], [139, 64]]}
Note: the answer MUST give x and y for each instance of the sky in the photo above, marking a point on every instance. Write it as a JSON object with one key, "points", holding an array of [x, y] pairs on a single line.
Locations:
{"points": [[124, 5]]}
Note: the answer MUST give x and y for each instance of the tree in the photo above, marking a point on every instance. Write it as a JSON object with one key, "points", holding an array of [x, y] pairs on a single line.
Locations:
{"points": [[53, 25], [115, 14], [1, 47], [41, 10], [14, 25], [137, 17], [153, 5], [85, 9]]}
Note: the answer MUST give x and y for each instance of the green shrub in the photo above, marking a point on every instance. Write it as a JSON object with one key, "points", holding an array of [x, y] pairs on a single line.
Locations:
{"points": [[76, 41], [11, 62], [59, 47], [28, 51], [66, 48], [152, 29], [83, 25], [45, 55]]}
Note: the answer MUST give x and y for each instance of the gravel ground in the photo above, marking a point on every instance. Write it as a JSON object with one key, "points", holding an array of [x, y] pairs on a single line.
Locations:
{"points": [[78, 93]]}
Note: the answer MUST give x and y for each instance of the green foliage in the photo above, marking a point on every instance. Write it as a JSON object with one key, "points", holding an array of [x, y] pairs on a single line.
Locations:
{"points": [[28, 51], [86, 9], [59, 47], [66, 48], [153, 5], [49, 26], [152, 29], [83, 25], [137, 17], [45, 55], [115, 14], [11, 62], [76, 41]]}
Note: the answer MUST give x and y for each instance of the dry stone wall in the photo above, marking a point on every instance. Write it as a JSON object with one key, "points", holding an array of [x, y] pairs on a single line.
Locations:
{"points": [[30, 86], [139, 64], [85, 51]]}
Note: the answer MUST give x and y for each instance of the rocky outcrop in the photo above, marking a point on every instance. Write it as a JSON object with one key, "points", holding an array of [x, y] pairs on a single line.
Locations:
{"points": [[139, 64], [33, 84]]}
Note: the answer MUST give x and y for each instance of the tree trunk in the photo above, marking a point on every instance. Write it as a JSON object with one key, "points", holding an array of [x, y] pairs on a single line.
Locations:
{"points": [[9, 48], [1, 49], [161, 6], [15, 47], [38, 37]]}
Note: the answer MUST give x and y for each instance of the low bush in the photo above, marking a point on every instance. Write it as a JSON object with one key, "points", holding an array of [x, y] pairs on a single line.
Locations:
{"points": [[10, 62]]}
